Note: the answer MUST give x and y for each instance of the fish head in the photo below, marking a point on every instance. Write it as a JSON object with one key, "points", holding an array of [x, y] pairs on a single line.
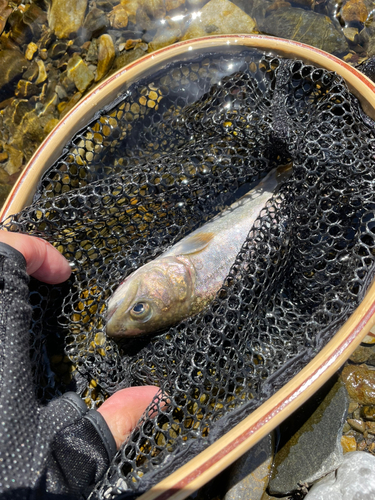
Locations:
{"points": [[156, 296]]}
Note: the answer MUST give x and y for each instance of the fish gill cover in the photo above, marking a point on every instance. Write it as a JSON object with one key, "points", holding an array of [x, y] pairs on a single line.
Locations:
{"points": [[158, 163]]}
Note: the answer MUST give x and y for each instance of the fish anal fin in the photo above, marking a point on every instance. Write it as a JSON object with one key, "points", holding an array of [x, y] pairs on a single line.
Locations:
{"points": [[193, 244]]}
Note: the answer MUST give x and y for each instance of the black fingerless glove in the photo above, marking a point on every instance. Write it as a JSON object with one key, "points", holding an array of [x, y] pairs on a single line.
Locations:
{"points": [[57, 451]]}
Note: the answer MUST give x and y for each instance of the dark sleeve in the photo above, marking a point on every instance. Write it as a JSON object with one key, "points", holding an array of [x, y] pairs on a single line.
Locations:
{"points": [[56, 451]]}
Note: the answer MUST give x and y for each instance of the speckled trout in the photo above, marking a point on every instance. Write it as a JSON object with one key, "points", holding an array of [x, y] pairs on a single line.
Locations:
{"points": [[183, 280]]}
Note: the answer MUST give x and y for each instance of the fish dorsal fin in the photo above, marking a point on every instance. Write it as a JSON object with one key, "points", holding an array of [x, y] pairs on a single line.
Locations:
{"points": [[193, 244]]}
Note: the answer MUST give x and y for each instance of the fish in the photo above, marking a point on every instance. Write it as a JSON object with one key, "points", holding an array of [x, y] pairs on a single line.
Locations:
{"points": [[183, 281]]}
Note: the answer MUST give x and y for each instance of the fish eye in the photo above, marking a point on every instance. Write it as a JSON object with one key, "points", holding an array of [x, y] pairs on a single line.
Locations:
{"points": [[140, 310]]}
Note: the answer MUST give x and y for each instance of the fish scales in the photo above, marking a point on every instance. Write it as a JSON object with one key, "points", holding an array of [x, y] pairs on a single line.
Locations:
{"points": [[182, 281]]}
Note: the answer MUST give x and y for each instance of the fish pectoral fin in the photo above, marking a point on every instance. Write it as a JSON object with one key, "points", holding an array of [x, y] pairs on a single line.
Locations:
{"points": [[193, 244]]}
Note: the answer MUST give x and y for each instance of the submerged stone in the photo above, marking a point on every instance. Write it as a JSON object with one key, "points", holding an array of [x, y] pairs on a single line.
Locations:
{"points": [[310, 441], [164, 36], [248, 476], [13, 65], [220, 16], [15, 160], [30, 50], [66, 16], [79, 73], [307, 27], [353, 480], [106, 56], [118, 17], [360, 383]]}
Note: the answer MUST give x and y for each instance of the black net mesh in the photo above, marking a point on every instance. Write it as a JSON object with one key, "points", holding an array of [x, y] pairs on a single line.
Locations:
{"points": [[168, 155]]}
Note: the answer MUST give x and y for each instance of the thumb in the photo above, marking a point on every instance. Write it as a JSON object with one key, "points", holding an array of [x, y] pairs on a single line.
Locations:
{"points": [[123, 410]]}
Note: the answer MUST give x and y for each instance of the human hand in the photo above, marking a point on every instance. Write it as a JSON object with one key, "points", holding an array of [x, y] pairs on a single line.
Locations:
{"points": [[122, 410], [43, 261]]}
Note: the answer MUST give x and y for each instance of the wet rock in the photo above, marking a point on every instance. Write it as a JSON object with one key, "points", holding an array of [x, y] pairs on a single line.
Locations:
{"points": [[220, 16], [248, 476], [42, 73], [79, 73], [15, 160], [57, 50], [13, 64], [128, 57], [3, 156], [154, 8], [96, 21], [351, 34], [66, 16], [92, 52], [361, 354], [32, 72], [354, 11], [354, 479], [305, 26], [30, 50], [348, 444], [165, 36], [360, 383], [106, 56], [316, 427], [5, 12], [118, 17], [357, 424], [26, 89]]}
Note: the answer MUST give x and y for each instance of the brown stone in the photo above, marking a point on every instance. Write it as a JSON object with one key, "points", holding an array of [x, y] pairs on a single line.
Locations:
{"points": [[220, 16], [360, 383], [5, 11], [42, 74], [30, 50], [348, 444], [118, 17], [163, 37], [357, 425], [370, 427], [354, 11], [106, 56], [66, 16], [130, 44], [79, 73]]}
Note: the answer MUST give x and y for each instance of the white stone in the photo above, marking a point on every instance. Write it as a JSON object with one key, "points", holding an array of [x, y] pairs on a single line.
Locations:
{"points": [[353, 480]]}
